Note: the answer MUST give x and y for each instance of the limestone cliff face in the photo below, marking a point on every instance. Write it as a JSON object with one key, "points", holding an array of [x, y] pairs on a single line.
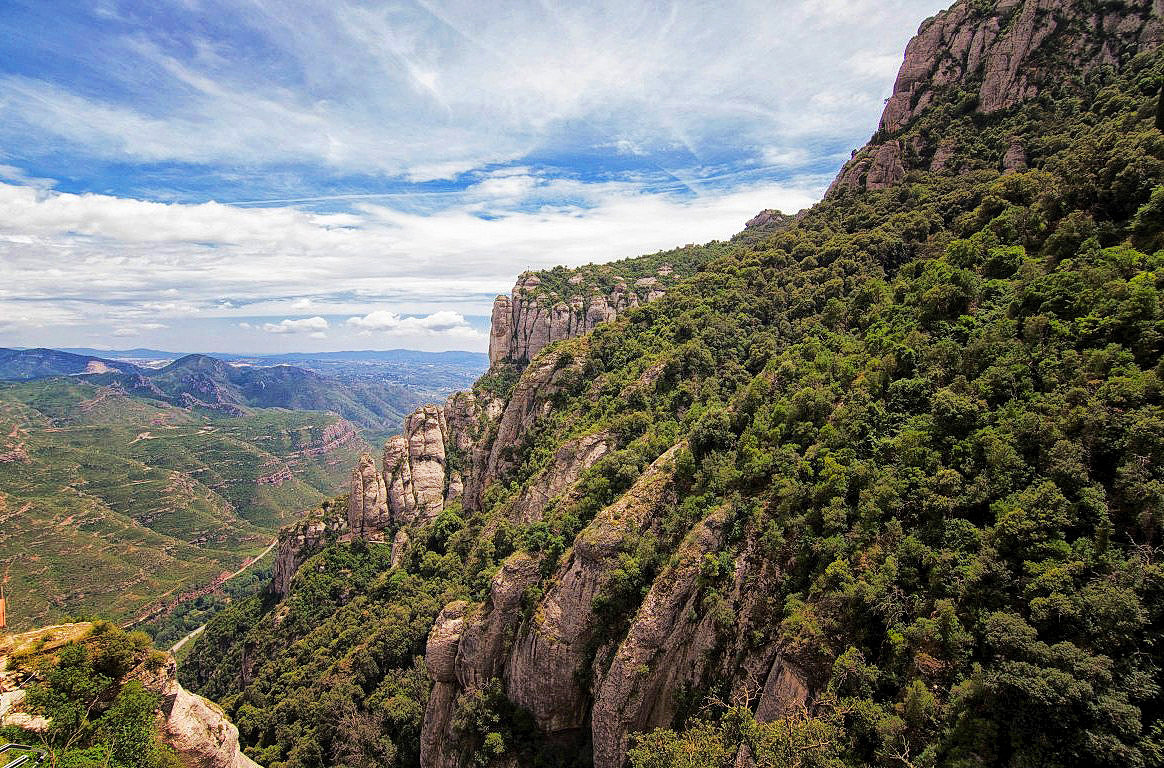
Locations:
{"points": [[300, 541], [535, 316], [995, 58], [197, 729]]}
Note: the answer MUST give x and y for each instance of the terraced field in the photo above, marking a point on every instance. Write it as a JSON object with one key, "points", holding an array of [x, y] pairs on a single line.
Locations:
{"points": [[110, 502]]}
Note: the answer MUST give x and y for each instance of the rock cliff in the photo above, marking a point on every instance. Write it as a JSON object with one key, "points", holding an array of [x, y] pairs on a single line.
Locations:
{"points": [[537, 314], [300, 541], [986, 59], [194, 727]]}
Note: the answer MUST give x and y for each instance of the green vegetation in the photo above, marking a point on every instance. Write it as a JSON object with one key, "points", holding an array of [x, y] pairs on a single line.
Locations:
{"points": [[113, 501], [187, 616], [338, 679], [936, 410], [100, 713], [563, 283]]}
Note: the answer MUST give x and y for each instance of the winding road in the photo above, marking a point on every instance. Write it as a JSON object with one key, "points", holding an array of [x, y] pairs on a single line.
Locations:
{"points": [[194, 633]]}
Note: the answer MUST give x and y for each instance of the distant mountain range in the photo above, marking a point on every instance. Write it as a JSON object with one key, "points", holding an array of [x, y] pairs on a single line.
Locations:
{"points": [[125, 479], [373, 389], [403, 356]]}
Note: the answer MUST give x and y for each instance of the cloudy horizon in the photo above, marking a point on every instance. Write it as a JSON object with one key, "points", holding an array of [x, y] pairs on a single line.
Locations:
{"points": [[266, 176]]}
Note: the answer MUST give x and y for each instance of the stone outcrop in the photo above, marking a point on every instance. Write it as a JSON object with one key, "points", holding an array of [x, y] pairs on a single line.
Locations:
{"points": [[194, 727], [532, 317], [572, 458], [300, 541], [368, 500], [1000, 57], [542, 674], [664, 649], [437, 745], [530, 401], [414, 467]]}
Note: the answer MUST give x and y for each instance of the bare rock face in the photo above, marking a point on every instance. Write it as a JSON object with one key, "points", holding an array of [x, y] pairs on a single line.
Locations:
{"points": [[426, 430], [542, 672], [414, 468], [571, 459], [1015, 158], [785, 691], [880, 168], [666, 647], [368, 501], [400, 544], [530, 401], [1003, 55], [197, 728], [483, 647], [437, 748], [300, 541], [532, 317]]}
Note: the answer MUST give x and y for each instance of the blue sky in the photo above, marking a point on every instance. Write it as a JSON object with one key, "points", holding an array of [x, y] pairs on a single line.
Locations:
{"points": [[269, 175]]}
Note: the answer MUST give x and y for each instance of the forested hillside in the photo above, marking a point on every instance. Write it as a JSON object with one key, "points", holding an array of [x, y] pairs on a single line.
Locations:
{"points": [[880, 485]]}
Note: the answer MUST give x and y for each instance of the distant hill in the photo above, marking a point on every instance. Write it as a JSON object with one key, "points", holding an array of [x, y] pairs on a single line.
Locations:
{"points": [[111, 500], [373, 389], [409, 356], [23, 364]]}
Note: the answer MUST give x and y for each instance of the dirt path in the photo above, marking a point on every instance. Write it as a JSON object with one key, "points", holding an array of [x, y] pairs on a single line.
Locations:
{"points": [[176, 646], [194, 633]]}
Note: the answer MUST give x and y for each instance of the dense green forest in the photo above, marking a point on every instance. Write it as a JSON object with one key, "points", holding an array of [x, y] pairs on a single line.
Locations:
{"points": [[937, 410]]}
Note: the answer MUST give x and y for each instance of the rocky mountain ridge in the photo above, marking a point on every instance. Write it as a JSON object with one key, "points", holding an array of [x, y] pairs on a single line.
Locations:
{"points": [[529, 319], [982, 60]]}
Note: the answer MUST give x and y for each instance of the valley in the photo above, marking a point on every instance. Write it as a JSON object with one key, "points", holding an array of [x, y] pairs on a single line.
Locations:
{"points": [[123, 490]]}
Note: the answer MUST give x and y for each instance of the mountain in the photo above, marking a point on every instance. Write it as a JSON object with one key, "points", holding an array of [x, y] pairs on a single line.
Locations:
{"points": [[20, 364], [113, 503], [374, 390], [880, 483], [137, 353], [207, 383]]}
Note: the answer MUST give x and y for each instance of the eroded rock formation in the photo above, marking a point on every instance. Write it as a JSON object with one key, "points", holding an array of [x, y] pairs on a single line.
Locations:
{"points": [[534, 316], [300, 541], [992, 59]]}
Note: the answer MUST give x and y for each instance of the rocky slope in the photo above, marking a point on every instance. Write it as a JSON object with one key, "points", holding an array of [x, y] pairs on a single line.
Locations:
{"points": [[197, 729], [986, 59]]}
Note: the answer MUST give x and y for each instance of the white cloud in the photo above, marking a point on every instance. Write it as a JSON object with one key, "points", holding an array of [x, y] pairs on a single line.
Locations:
{"points": [[136, 330], [154, 262], [443, 322], [313, 326], [428, 91], [348, 90]]}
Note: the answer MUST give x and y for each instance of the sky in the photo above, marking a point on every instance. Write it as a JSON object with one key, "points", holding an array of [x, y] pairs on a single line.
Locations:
{"points": [[257, 176]]}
